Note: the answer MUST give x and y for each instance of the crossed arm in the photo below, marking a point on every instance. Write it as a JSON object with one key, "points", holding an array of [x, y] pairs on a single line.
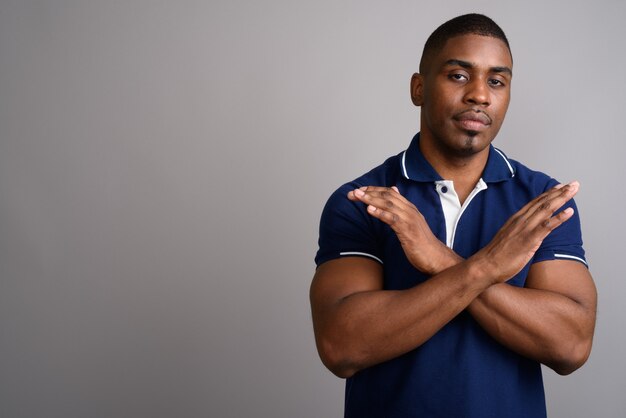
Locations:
{"points": [[358, 324]]}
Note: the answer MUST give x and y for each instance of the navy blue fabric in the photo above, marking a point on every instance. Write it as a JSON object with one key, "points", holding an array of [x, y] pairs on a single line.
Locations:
{"points": [[461, 371]]}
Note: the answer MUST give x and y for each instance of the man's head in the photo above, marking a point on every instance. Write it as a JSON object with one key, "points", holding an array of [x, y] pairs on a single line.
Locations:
{"points": [[463, 87], [469, 24]]}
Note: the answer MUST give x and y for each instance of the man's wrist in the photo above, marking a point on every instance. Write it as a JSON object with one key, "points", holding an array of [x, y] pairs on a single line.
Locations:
{"points": [[484, 268], [447, 259]]}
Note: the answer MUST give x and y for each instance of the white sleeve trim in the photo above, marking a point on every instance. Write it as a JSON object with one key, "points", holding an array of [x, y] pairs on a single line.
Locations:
{"points": [[571, 257], [363, 254]]}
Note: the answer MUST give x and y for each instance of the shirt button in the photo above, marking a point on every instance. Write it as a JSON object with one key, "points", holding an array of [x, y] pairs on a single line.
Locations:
{"points": [[444, 189]]}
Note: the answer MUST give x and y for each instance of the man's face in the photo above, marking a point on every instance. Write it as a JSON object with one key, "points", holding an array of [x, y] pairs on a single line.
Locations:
{"points": [[464, 93]]}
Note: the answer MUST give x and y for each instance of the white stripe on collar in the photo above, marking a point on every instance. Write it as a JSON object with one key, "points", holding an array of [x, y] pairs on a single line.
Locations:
{"points": [[506, 160], [404, 165]]}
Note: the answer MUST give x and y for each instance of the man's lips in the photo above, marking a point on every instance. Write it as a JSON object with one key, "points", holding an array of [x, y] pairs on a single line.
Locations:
{"points": [[472, 119]]}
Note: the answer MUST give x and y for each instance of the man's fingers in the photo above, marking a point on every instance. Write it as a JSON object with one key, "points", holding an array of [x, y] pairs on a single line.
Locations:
{"points": [[564, 215], [544, 205], [387, 217], [353, 196], [537, 220], [388, 205], [558, 219], [383, 203], [555, 199], [380, 197]]}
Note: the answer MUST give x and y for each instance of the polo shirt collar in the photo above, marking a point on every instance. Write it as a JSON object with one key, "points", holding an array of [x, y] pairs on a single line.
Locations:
{"points": [[415, 167]]}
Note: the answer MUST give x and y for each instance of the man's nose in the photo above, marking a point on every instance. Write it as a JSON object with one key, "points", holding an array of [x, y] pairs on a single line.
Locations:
{"points": [[478, 93]]}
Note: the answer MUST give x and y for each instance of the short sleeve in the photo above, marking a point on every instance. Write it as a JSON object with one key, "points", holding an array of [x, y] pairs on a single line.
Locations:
{"points": [[346, 229], [565, 242]]}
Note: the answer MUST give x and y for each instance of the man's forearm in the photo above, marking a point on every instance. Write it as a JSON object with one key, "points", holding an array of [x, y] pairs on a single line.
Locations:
{"points": [[546, 326], [369, 327], [543, 325]]}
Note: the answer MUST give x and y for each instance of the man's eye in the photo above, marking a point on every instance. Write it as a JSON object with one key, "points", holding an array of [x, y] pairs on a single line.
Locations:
{"points": [[458, 77], [495, 82]]}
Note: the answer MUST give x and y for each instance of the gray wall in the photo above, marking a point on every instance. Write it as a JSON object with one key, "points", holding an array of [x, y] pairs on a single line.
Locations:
{"points": [[163, 166]]}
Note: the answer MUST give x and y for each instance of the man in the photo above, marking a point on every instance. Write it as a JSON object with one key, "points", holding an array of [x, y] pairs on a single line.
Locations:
{"points": [[448, 274]]}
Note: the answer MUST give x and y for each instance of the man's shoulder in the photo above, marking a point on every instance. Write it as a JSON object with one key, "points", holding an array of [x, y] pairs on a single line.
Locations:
{"points": [[338, 206], [346, 228], [386, 174], [531, 178]]}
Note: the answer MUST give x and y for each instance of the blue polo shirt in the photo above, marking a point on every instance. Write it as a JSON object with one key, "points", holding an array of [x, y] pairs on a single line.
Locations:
{"points": [[461, 371]]}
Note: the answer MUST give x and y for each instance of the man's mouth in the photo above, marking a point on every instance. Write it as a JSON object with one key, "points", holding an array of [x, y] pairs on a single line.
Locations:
{"points": [[473, 119]]}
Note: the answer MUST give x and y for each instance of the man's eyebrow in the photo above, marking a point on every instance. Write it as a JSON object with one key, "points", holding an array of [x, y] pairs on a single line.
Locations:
{"points": [[460, 63], [502, 69], [469, 66]]}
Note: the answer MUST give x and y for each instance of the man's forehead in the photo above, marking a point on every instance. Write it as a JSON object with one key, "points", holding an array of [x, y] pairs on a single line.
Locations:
{"points": [[477, 50]]}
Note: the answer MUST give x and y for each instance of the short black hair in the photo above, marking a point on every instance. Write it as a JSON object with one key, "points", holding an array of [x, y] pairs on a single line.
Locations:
{"points": [[469, 24]]}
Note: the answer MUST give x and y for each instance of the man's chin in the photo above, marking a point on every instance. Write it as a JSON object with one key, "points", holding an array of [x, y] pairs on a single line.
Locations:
{"points": [[473, 143], [471, 138]]}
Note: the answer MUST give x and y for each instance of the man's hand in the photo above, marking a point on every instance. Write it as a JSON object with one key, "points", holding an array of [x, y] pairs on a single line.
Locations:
{"points": [[425, 252], [507, 253], [521, 236]]}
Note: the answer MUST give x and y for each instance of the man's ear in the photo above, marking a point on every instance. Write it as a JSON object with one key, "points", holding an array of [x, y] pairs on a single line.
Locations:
{"points": [[417, 89]]}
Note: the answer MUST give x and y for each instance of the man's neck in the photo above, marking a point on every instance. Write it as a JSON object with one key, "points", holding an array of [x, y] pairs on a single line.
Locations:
{"points": [[464, 171]]}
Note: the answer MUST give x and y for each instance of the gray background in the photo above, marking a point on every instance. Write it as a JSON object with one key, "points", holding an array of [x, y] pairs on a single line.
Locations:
{"points": [[163, 166]]}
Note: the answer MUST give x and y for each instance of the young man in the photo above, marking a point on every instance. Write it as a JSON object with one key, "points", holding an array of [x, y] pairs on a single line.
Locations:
{"points": [[449, 273]]}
